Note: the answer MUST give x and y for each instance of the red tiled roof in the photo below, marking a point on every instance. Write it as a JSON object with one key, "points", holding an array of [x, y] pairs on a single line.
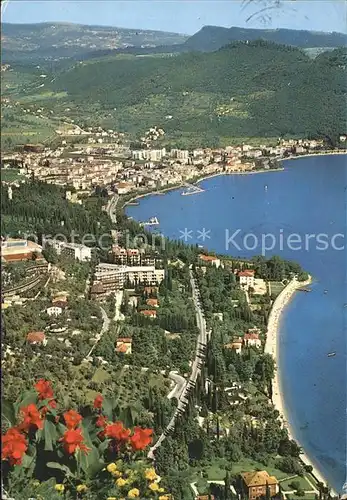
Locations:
{"points": [[249, 336], [148, 312], [125, 340], [208, 258], [247, 273], [36, 337], [152, 302], [122, 348]]}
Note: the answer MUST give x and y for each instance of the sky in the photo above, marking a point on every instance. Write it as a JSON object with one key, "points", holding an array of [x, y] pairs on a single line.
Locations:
{"points": [[183, 16]]}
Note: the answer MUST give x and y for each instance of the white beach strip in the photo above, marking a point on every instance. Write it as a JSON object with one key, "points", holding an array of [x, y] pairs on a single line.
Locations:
{"points": [[271, 347]]}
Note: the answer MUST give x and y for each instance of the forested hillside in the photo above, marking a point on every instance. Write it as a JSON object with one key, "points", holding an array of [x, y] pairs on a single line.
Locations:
{"points": [[245, 89]]}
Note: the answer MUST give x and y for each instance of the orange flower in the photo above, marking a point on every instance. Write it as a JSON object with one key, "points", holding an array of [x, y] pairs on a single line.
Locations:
{"points": [[141, 438], [117, 431], [14, 446], [98, 401], [44, 389], [30, 417], [73, 440], [72, 419]]}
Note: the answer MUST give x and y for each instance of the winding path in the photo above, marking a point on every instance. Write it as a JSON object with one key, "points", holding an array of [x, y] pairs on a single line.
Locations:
{"points": [[196, 367], [105, 326]]}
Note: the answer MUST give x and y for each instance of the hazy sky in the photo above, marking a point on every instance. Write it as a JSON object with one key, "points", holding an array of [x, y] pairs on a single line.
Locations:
{"points": [[183, 16]]}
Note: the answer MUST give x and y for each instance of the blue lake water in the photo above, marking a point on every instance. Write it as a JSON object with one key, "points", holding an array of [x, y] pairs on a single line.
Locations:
{"points": [[307, 198]]}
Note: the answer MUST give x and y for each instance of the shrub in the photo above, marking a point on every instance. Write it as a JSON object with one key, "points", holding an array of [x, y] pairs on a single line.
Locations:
{"points": [[71, 453], [294, 485], [290, 465]]}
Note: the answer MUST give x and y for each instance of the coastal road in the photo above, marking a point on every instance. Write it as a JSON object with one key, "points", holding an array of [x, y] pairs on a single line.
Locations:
{"points": [[112, 207], [196, 366]]}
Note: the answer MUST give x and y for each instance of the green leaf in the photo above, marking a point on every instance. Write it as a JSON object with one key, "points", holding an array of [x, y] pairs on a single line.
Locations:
{"points": [[8, 413], [50, 435], [29, 463], [28, 398], [64, 468], [107, 407], [90, 463]]}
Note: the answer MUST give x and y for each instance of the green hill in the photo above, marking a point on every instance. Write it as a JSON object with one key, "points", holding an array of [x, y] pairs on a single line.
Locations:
{"points": [[243, 90]]}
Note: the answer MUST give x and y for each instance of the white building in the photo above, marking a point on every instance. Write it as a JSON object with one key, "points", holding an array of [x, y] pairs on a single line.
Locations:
{"points": [[110, 278], [74, 250], [54, 311], [247, 278]]}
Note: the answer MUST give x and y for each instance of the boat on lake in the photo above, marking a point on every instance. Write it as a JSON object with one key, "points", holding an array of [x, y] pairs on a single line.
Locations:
{"points": [[331, 354]]}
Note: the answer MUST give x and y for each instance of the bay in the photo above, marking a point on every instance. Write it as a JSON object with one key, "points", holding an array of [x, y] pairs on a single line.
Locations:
{"points": [[307, 198]]}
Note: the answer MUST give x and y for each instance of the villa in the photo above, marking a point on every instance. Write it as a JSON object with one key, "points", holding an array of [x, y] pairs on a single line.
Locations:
{"points": [[252, 339], [246, 278], [210, 259], [256, 482]]}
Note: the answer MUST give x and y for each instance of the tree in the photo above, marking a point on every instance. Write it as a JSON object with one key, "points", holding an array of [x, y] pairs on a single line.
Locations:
{"points": [[227, 485]]}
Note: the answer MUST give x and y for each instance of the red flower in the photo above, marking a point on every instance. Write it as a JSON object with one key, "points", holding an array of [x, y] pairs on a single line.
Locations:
{"points": [[44, 389], [52, 403], [14, 446], [72, 419], [73, 440], [141, 438], [101, 421], [30, 416], [98, 401], [117, 431]]}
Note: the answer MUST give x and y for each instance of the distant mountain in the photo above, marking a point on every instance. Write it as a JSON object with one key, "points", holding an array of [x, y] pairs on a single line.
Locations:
{"points": [[25, 42], [211, 38]]}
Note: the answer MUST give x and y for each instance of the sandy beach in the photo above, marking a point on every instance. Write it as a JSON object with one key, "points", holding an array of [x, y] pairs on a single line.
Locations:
{"points": [[271, 347]]}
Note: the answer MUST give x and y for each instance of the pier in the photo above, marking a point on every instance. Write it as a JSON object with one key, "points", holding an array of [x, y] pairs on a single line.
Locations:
{"points": [[192, 189], [153, 221]]}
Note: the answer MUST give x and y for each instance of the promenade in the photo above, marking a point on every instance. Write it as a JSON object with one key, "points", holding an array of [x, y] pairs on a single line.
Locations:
{"points": [[271, 347]]}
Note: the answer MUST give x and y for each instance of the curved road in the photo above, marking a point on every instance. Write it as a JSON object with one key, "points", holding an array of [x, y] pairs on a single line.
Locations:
{"points": [[111, 208], [196, 366]]}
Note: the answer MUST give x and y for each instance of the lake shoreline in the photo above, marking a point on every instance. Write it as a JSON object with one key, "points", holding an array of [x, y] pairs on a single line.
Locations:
{"points": [[272, 348], [217, 174]]}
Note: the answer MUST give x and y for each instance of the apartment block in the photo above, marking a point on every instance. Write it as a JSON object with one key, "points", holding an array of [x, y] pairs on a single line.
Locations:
{"points": [[109, 278]]}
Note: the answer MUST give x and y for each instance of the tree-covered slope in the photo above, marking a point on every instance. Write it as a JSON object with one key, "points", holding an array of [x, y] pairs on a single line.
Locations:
{"points": [[243, 90]]}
